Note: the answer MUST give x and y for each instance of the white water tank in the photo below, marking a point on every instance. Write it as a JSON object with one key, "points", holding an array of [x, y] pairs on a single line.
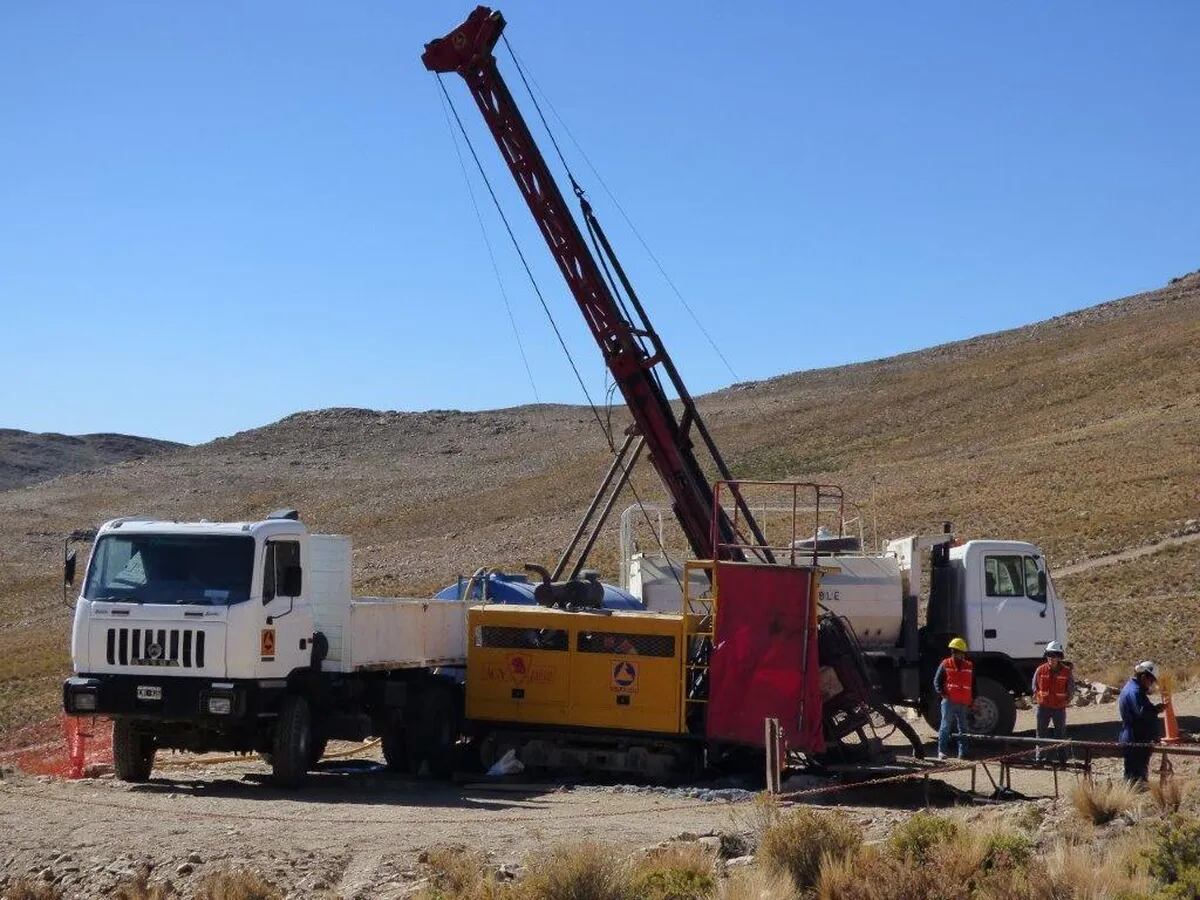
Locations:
{"points": [[867, 591]]}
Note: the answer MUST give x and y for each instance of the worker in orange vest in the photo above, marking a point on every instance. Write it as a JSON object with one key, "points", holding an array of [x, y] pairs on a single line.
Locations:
{"points": [[954, 682], [1053, 688]]}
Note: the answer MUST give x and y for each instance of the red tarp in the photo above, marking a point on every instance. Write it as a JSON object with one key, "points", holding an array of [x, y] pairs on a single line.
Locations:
{"points": [[764, 621]]}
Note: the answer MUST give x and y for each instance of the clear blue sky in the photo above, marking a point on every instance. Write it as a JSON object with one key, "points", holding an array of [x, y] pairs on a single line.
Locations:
{"points": [[216, 214]]}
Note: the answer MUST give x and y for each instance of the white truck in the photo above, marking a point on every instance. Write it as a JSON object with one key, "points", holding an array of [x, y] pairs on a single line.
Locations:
{"points": [[244, 637], [996, 594]]}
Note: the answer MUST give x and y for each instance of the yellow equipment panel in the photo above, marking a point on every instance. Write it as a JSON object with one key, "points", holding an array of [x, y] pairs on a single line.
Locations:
{"points": [[531, 664]]}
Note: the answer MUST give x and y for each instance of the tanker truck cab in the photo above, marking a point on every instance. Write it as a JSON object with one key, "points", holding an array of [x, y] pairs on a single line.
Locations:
{"points": [[998, 596]]}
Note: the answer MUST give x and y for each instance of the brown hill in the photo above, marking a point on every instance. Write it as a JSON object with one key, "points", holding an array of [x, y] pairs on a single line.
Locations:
{"points": [[27, 457], [1078, 433]]}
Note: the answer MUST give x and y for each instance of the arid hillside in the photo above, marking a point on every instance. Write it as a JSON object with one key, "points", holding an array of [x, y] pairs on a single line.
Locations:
{"points": [[1081, 433], [27, 457]]}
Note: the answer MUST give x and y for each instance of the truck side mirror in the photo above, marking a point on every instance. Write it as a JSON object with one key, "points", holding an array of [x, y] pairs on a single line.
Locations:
{"points": [[293, 581], [1041, 586], [69, 568]]}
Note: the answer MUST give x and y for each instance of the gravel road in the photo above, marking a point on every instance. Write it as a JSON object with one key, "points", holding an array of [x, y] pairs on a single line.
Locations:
{"points": [[356, 830]]}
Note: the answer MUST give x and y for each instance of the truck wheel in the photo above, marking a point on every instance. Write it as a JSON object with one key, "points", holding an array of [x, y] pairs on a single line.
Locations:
{"points": [[435, 737], [133, 752], [395, 746], [995, 710], [291, 752]]}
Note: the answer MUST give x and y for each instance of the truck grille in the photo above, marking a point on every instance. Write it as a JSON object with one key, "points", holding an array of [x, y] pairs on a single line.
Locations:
{"points": [[182, 647]]}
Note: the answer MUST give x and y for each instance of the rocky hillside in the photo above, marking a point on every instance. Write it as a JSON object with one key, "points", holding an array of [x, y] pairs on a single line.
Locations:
{"points": [[27, 457], [1079, 433]]}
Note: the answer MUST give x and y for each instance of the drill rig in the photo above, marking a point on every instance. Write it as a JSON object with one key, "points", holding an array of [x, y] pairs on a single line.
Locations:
{"points": [[566, 684]]}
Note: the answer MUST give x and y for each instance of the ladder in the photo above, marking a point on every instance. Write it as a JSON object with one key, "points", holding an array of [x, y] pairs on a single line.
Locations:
{"points": [[699, 624]]}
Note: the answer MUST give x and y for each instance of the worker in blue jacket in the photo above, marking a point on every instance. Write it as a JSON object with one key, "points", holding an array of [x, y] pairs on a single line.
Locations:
{"points": [[1139, 721]]}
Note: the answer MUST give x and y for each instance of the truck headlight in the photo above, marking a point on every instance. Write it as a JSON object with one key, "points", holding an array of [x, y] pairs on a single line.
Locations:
{"points": [[83, 701], [220, 706]]}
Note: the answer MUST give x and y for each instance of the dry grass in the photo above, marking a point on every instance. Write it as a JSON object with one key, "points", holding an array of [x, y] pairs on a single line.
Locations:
{"points": [[755, 884], [1103, 602], [1090, 873], [237, 885], [31, 889], [801, 841], [1171, 793], [581, 871], [141, 888], [1099, 802], [985, 863], [458, 873]]}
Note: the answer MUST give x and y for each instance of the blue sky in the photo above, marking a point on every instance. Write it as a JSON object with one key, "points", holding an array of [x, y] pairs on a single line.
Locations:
{"points": [[216, 214]]}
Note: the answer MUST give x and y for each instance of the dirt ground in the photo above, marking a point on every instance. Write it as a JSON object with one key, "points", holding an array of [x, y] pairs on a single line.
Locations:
{"points": [[355, 830]]}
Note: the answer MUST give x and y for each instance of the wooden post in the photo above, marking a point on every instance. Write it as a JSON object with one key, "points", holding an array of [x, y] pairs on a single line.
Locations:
{"points": [[772, 739]]}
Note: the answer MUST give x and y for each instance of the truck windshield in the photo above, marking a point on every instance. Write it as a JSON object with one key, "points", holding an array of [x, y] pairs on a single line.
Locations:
{"points": [[171, 568]]}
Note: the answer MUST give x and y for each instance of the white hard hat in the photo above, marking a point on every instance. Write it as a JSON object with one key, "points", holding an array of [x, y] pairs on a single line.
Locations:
{"points": [[1146, 668], [1055, 647]]}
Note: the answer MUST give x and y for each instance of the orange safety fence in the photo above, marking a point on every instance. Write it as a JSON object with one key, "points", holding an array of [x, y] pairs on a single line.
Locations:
{"points": [[68, 747]]}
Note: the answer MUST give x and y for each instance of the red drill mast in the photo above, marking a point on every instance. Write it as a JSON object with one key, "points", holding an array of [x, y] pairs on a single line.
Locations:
{"points": [[468, 51]]}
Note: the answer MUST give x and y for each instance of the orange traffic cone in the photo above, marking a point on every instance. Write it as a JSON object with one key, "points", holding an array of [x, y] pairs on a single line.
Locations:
{"points": [[1170, 724]]}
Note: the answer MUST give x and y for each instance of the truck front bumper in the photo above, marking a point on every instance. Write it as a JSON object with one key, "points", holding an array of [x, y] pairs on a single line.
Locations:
{"points": [[171, 699]]}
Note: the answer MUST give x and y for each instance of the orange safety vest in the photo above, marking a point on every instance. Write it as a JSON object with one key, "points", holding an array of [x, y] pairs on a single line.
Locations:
{"points": [[1051, 691], [959, 680]]}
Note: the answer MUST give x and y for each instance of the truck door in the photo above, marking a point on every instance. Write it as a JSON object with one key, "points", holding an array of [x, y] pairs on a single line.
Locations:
{"points": [[286, 616], [1014, 608]]}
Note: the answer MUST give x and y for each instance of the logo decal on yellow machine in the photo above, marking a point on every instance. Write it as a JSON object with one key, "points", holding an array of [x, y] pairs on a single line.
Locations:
{"points": [[520, 670], [266, 645], [625, 677]]}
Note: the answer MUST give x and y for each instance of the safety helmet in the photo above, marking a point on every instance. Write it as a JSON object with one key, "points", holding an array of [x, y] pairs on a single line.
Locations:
{"points": [[1055, 647], [1146, 668], [958, 644]]}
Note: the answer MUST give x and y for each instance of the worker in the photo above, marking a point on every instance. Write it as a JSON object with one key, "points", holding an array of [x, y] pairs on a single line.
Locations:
{"points": [[1139, 721], [1053, 688], [954, 682]]}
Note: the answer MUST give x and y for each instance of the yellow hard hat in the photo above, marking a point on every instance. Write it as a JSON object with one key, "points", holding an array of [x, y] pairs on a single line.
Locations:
{"points": [[958, 644]]}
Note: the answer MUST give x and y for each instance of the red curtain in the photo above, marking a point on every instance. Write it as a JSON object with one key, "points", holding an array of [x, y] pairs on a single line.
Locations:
{"points": [[760, 668]]}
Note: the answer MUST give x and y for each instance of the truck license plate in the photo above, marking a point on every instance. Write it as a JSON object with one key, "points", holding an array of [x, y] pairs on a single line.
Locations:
{"points": [[149, 692]]}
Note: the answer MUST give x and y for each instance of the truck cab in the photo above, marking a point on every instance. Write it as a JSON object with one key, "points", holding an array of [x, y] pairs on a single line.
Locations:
{"points": [[195, 600]]}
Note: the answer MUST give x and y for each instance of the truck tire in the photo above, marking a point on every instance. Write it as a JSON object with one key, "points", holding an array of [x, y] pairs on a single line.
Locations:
{"points": [[395, 746], [291, 750], [433, 738], [995, 710], [133, 752]]}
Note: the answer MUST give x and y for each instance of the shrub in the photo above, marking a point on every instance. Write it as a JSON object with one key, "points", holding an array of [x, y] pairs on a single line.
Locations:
{"points": [[912, 840], [1175, 854], [1005, 850], [1100, 802], [239, 885], [581, 871], [675, 872], [798, 843]]}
